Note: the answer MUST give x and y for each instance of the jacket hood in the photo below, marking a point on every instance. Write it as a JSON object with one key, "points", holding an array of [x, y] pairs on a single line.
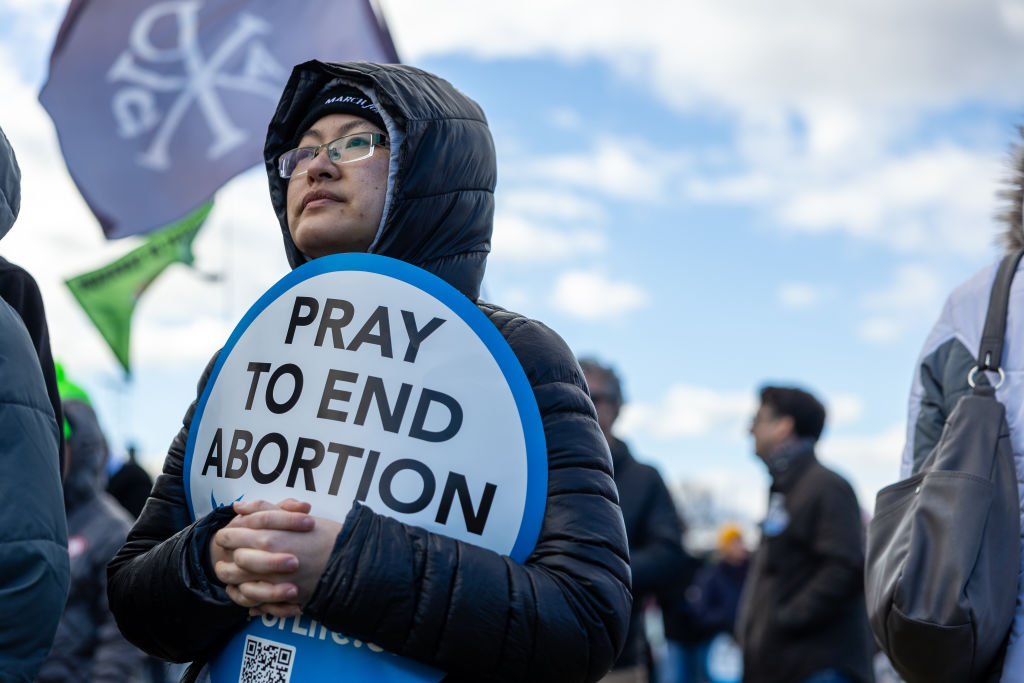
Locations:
{"points": [[88, 454], [439, 210], [1012, 196], [10, 185]]}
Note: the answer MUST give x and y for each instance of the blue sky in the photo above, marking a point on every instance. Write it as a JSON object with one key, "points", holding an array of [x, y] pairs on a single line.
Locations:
{"points": [[707, 195]]}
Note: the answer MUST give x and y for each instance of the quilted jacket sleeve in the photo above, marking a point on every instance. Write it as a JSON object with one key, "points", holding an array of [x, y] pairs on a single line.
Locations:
{"points": [[562, 616], [34, 565], [157, 584]]}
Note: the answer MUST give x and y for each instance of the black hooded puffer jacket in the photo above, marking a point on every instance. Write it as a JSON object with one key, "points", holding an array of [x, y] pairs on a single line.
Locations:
{"points": [[561, 616]]}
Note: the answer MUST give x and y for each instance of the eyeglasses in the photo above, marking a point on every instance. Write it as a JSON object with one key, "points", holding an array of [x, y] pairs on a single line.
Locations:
{"points": [[344, 150]]}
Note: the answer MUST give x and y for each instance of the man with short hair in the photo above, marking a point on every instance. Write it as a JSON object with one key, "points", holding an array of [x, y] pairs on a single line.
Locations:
{"points": [[802, 616], [653, 527], [390, 160]]}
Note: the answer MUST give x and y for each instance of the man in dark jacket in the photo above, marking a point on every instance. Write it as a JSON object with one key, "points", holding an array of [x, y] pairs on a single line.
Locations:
{"points": [[653, 528], [33, 532], [88, 648], [421, 193], [802, 614]]}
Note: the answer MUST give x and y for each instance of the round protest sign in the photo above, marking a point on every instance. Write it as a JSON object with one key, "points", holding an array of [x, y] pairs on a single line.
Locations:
{"points": [[359, 378]]}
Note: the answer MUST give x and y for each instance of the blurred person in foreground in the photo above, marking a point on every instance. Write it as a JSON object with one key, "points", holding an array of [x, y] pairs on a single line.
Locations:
{"points": [[653, 527], [19, 289], [33, 531], [947, 358], [88, 647], [391, 160], [802, 617]]}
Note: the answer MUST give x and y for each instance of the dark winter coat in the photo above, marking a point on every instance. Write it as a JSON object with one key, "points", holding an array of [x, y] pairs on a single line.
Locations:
{"points": [[20, 291], [655, 535], [33, 531], [717, 590], [88, 648], [478, 615], [802, 609]]}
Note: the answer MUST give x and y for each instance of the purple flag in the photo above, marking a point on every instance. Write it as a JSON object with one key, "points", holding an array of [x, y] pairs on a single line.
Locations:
{"points": [[158, 103]]}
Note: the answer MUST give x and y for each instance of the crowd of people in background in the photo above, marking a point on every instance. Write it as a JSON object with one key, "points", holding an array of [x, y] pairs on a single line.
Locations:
{"points": [[784, 606]]}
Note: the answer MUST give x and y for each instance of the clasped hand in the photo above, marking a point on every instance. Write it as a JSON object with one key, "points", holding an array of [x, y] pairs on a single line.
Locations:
{"points": [[272, 556]]}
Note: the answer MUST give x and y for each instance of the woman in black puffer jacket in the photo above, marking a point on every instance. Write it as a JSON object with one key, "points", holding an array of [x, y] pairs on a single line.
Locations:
{"points": [[562, 615]]}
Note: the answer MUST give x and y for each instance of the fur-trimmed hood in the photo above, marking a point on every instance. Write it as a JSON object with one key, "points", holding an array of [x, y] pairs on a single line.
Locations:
{"points": [[1012, 196], [439, 209]]}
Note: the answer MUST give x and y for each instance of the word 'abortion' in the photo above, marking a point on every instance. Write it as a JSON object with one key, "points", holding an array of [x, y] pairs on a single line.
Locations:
{"points": [[267, 457]]}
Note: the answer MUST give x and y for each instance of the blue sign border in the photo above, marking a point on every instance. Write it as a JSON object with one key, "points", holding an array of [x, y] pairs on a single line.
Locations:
{"points": [[522, 392]]}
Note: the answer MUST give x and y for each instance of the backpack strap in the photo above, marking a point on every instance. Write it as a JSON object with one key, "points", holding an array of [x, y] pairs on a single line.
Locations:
{"points": [[990, 352]]}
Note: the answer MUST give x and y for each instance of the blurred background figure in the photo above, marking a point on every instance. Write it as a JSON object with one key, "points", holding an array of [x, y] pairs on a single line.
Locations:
{"points": [[718, 586], [715, 598], [88, 646], [700, 616], [653, 528], [802, 615], [33, 531], [128, 481]]}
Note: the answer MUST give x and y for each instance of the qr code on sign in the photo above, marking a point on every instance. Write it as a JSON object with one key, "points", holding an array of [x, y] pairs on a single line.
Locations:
{"points": [[266, 661]]}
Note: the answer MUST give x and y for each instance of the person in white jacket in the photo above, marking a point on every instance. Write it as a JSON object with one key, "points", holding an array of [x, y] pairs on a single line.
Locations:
{"points": [[948, 356]]}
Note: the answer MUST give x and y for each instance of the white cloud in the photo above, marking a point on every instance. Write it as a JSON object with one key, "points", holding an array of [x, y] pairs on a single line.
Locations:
{"points": [[516, 299], [746, 53], [179, 342], [42, 7], [817, 114], [881, 330], [912, 287], [689, 411], [1012, 13], [844, 409], [519, 239], [566, 118], [629, 170], [911, 298], [592, 296], [950, 188], [547, 203], [801, 295], [33, 20], [936, 199]]}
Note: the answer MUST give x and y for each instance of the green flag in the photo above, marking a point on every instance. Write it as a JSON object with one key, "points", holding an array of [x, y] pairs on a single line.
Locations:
{"points": [[109, 294]]}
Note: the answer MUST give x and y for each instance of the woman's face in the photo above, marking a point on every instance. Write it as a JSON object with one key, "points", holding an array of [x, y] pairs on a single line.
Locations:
{"points": [[337, 208]]}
